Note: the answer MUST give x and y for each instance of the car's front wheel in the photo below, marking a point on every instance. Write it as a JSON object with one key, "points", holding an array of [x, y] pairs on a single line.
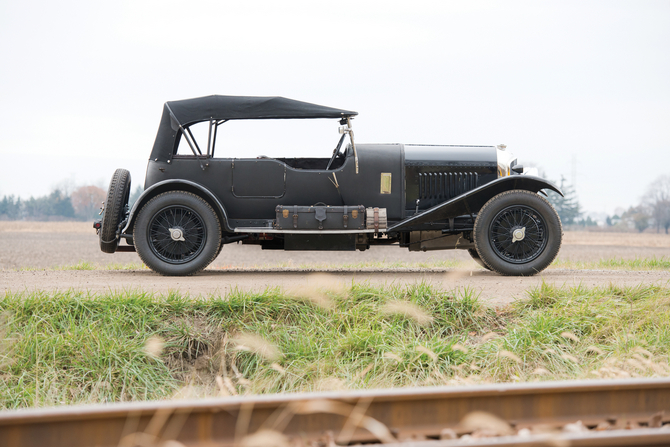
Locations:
{"points": [[518, 233], [177, 233], [477, 259]]}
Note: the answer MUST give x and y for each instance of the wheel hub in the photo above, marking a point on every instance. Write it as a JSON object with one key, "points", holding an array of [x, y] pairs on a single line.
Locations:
{"points": [[177, 234], [518, 234]]}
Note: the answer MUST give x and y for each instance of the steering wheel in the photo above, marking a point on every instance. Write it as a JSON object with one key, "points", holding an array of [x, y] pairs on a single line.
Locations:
{"points": [[336, 152]]}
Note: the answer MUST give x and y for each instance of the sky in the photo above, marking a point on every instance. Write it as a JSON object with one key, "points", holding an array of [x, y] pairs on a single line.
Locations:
{"points": [[579, 88]]}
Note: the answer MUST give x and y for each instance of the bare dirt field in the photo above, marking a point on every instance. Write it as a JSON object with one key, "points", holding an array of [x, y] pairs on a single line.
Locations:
{"points": [[45, 245]]}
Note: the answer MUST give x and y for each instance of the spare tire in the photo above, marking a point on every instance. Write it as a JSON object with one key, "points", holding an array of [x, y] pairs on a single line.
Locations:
{"points": [[114, 210]]}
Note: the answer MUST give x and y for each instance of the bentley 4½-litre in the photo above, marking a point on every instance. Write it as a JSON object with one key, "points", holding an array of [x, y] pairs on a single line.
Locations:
{"points": [[419, 197]]}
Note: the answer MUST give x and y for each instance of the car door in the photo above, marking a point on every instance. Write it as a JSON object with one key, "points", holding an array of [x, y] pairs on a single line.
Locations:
{"points": [[258, 178]]}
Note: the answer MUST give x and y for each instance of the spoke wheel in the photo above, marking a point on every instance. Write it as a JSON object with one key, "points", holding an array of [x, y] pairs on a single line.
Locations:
{"points": [[177, 234], [518, 234]]}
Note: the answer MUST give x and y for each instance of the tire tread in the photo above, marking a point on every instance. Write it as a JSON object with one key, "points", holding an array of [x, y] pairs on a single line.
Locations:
{"points": [[475, 257], [119, 188], [157, 268], [492, 203]]}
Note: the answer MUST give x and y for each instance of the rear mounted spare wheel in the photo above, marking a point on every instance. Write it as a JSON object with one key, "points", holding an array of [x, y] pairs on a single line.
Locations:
{"points": [[518, 233], [114, 210], [177, 233]]}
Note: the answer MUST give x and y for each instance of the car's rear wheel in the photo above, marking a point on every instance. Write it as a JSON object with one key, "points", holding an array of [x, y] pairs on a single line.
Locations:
{"points": [[177, 233], [518, 233], [477, 259], [114, 210]]}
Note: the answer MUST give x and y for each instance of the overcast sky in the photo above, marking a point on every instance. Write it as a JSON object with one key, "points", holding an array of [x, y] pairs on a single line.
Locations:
{"points": [[82, 83]]}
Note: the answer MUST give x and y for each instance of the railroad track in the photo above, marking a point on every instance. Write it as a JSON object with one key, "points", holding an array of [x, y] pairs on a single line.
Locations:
{"points": [[611, 413]]}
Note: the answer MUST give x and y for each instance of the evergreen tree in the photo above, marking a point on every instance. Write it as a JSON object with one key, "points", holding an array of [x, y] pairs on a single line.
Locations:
{"points": [[567, 207], [55, 204], [61, 205], [10, 209], [588, 222], [36, 208]]}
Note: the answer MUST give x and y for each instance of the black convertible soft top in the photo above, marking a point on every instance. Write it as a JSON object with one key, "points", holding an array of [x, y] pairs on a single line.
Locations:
{"points": [[219, 107], [185, 112]]}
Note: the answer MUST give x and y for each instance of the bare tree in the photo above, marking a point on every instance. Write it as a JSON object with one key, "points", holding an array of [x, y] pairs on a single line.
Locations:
{"points": [[638, 216], [65, 186], [657, 200], [86, 201]]}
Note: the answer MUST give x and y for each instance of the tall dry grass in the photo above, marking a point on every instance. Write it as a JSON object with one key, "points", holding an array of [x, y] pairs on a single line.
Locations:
{"points": [[71, 347]]}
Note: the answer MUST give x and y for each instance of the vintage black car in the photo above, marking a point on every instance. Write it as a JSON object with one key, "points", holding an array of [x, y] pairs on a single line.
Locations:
{"points": [[420, 197]]}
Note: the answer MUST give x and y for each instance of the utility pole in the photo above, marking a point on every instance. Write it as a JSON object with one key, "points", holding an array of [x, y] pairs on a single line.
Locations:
{"points": [[574, 171]]}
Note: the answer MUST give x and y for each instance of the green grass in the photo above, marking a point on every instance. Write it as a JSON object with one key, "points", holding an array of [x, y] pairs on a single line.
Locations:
{"points": [[85, 265], [82, 265], [62, 348], [129, 266], [653, 263]]}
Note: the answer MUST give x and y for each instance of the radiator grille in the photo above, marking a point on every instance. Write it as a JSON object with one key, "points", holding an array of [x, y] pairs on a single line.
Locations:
{"points": [[446, 185]]}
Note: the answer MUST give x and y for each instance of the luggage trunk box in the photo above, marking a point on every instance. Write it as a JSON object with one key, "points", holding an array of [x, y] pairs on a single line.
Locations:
{"points": [[294, 217], [376, 219]]}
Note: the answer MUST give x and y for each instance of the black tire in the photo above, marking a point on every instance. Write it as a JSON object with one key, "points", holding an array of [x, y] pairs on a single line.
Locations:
{"points": [[537, 227], [477, 259], [114, 210], [168, 217]]}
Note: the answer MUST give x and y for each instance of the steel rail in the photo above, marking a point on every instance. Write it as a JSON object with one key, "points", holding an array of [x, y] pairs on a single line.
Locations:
{"points": [[355, 416]]}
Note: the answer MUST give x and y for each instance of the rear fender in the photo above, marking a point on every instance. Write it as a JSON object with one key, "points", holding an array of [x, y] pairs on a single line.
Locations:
{"points": [[177, 185], [472, 201]]}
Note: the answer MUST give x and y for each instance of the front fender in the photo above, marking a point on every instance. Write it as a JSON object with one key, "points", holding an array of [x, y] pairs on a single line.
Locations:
{"points": [[472, 201], [177, 185]]}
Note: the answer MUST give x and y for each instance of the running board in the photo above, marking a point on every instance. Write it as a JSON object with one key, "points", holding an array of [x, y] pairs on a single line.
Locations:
{"points": [[275, 231]]}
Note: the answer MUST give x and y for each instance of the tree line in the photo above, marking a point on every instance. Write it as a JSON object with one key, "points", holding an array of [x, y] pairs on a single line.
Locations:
{"points": [[654, 207], [83, 203], [652, 211]]}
